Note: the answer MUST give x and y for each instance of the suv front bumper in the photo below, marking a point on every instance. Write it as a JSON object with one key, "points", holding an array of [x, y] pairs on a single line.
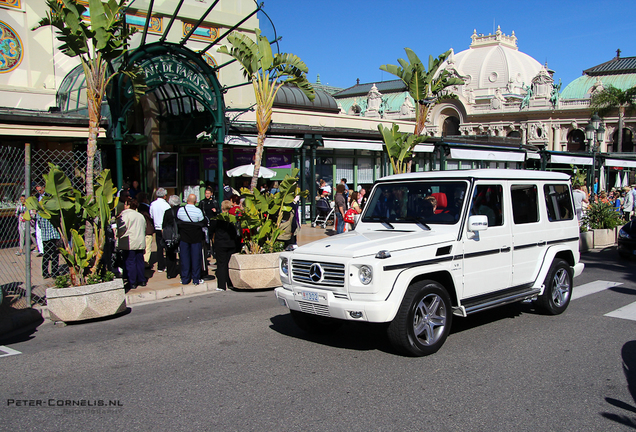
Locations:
{"points": [[325, 303]]}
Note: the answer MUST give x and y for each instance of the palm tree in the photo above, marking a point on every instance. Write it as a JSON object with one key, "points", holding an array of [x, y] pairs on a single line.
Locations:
{"points": [[611, 98], [96, 42], [267, 72], [425, 87]]}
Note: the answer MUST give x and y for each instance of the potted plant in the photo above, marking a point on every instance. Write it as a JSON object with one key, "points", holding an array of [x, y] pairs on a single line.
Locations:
{"points": [[262, 222], [602, 219], [88, 291]]}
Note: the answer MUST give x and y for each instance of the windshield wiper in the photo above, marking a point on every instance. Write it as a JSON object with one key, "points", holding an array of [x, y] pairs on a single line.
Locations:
{"points": [[418, 220], [379, 218]]}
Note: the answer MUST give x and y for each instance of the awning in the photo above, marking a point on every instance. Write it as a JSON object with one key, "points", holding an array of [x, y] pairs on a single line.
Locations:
{"points": [[47, 131], [251, 141], [620, 163], [571, 160], [533, 156], [487, 155], [369, 145], [353, 145]]}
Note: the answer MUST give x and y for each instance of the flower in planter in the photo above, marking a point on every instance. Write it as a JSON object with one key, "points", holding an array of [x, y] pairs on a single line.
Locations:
{"points": [[261, 219]]}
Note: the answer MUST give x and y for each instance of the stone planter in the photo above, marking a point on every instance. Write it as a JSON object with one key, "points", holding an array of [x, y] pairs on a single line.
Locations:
{"points": [[86, 302], [604, 237], [254, 271], [586, 241]]}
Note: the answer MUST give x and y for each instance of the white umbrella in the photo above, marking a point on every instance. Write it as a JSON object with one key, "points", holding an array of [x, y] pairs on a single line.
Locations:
{"points": [[625, 181], [601, 181], [248, 171], [617, 184]]}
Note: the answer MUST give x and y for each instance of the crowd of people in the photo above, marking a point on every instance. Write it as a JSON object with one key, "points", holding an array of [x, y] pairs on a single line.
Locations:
{"points": [[621, 199], [347, 203]]}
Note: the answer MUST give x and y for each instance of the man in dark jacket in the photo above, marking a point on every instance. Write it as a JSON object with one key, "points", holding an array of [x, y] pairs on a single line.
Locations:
{"points": [[191, 220], [225, 244], [210, 208], [169, 217]]}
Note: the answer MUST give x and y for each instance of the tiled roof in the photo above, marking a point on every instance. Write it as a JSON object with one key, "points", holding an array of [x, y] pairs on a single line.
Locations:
{"points": [[292, 97], [615, 66], [393, 86], [580, 87]]}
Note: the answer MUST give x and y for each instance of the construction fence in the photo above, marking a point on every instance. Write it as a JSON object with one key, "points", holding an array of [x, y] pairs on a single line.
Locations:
{"points": [[14, 271]]}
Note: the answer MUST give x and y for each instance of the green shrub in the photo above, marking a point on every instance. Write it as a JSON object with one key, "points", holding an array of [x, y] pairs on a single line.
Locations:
{"points": [[602, 216]]}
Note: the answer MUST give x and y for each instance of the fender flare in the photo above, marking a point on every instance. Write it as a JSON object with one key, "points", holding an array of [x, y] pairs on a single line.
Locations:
{"points": [[548, 259], [404, 280]]}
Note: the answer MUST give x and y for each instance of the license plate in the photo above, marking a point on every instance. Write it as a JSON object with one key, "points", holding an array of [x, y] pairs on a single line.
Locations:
{"points": [[310, 296]]}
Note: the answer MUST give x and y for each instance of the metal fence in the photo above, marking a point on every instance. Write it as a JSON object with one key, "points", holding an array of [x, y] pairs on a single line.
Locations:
{"points": [[13, 268]]}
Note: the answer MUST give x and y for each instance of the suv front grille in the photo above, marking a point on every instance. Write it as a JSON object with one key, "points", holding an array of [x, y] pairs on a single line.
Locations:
{"points": [[314, 309], [331, 275]]}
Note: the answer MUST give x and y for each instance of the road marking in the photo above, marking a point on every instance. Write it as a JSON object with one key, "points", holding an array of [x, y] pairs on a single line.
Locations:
{"points": [[592, 288], [626, 312], [6, 351]]}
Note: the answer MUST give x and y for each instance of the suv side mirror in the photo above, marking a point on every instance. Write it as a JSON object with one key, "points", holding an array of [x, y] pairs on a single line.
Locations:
{"points": [[477, 223]]}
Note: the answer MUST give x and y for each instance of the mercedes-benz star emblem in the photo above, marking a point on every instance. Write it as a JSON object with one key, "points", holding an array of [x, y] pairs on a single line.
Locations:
{"points": [[315, 272]]}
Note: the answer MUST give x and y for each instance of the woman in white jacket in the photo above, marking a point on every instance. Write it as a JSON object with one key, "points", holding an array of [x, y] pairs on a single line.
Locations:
{"points": [[131, 240]]}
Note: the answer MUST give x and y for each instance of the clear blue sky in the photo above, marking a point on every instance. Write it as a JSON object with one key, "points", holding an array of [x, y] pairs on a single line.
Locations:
{"points": [[348, 39]]}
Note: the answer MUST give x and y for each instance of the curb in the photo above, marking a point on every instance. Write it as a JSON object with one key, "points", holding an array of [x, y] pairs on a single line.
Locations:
{"points": [[146, 295]]}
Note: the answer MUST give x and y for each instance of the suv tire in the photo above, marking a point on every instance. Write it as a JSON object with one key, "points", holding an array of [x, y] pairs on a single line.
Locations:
{"points": [[423, 320], [558, 288]]}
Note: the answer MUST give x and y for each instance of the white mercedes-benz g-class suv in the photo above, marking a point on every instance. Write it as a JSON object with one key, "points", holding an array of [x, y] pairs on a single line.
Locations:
{"points": [[431, 245]]}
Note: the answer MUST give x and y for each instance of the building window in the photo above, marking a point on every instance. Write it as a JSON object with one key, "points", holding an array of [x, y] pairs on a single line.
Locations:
{"points": [[628, 145], [576, 141], [451, 126]]}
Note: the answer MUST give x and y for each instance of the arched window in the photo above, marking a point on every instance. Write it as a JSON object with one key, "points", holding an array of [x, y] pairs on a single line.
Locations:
{"points": [[628, 144], [451, 126], [576, 141], [514, 134]]}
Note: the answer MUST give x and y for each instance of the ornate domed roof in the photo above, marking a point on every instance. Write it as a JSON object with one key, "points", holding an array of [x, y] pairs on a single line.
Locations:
{"points": [[494, 61]]}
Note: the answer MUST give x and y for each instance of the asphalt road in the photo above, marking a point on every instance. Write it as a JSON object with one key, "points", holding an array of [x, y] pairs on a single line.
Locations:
{"points": [[235, 361]]}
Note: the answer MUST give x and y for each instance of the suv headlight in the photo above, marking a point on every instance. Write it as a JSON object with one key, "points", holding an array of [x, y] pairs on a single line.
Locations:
{"points": [[284, 266], [365, 274]]}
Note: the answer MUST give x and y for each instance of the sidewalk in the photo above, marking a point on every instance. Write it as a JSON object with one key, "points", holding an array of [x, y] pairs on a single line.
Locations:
{"points": [[160, 287], [16, 318]]}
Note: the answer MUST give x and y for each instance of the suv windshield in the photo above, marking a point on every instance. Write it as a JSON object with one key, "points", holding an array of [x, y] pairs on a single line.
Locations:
{"points": [[424, 202]]}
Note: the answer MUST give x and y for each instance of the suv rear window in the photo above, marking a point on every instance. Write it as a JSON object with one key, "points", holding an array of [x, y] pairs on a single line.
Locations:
{"points": [[558, 201]]}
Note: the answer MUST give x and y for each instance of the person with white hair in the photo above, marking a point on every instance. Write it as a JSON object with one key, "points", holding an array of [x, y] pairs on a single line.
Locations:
{"points": [[157, 210]]}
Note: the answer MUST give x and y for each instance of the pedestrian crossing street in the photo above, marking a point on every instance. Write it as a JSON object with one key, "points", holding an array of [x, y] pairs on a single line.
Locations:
{"points": [[627, 312]]}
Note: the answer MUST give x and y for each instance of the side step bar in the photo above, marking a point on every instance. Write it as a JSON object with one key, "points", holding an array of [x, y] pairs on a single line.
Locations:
{"points": [[491, 302]]}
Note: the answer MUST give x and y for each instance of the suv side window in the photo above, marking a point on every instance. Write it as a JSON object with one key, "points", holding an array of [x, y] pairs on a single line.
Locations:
{"points": [[488, 200], [558, 201], [524, 204]]}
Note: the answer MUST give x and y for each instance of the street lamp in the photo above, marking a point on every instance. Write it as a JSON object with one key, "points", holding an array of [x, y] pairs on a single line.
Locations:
{"points": [[594, 131]]}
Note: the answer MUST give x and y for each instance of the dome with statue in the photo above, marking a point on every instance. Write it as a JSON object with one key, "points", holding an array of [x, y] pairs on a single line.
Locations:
{"points": [[493, 62]]}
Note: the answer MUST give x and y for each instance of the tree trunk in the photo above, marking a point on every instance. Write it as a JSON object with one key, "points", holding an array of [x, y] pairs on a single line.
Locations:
{"points": [[621, 114], [258, 157]]}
